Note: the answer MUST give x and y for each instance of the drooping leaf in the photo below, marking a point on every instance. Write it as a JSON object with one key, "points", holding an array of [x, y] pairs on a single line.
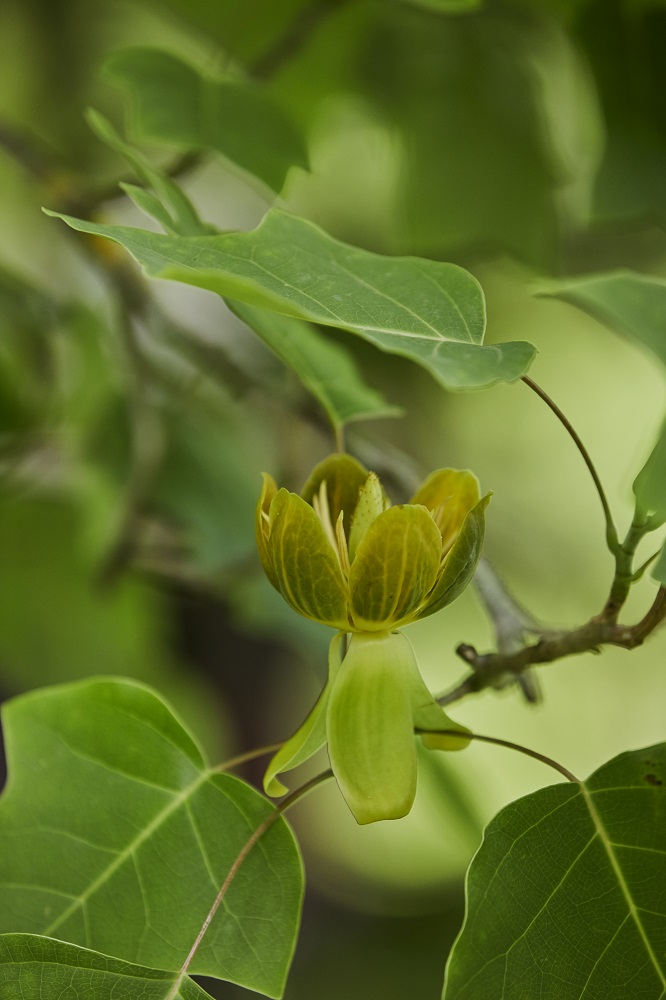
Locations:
{"points": [[566, 897], [33, 968], [324, 368], [172, 102], [432, 313], [115, 835], [635, 306]]}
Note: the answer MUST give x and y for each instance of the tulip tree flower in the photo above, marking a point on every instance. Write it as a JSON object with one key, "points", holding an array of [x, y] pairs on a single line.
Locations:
{"points": [[341, 554]]}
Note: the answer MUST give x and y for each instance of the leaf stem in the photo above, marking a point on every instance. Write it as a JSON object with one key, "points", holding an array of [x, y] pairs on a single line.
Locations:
{"points": [[243, 758], [279, 811], [612, 539], [521, 749]]}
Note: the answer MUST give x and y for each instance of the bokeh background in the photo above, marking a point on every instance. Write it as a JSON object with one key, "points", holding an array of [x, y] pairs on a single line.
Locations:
{"points": [[520, 139]]}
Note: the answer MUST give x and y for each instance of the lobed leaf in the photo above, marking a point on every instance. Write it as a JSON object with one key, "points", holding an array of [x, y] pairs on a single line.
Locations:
{"points": [[35, 968], [115, 835], [172, 102], [566, 896], [430, 312]]}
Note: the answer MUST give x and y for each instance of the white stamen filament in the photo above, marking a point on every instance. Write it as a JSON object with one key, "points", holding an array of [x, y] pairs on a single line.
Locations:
{"points": [[336, 536]]}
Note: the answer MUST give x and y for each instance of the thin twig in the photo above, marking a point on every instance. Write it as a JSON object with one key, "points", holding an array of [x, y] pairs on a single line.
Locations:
{"points": [[279, 811], [243, 758], [521, 749], [490, 667], [611, 530]]}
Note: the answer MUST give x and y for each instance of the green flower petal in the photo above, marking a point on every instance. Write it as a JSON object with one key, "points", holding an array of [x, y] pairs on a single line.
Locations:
{"points": [[369, 726], [449, 494], [344, 478], [306, 567], [311, 736], [396, 566], [461, 561], [261, 524], [372, 501]]}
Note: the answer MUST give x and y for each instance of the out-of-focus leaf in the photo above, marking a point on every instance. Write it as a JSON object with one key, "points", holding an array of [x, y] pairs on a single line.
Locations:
{"points": [[567, 895], [447, 6], [207, 488], [429, 312], [109, 799], [623, 44], [172, 102], [635, 306], [28, 319], [324, 368], [54, 623], [499, 126], [33, 967]]}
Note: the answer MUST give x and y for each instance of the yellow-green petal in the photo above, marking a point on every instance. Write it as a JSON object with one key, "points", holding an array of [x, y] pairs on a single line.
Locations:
{"points": [[449, 494], [344, 478], [306, 566], [261, 524], [311, 735], [396, 566], [369, 727], [461, 561], [372, 501]]}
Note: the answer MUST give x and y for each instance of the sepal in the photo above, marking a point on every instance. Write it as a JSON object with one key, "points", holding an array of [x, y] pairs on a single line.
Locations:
{"points": [[370, 733], [311, 735]]}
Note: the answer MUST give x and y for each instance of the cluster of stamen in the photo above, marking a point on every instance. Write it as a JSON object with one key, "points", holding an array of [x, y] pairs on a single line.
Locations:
{"points": [[335, 534]]}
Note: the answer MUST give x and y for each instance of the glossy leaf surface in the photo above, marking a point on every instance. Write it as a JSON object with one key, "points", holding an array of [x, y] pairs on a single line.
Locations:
{"points": [[172, 102], [115, 835], [427, 311], [566, 897], [33, 968]]}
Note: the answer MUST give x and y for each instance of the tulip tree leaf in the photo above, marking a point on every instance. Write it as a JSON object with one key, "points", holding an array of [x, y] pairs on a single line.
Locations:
{"points": [[116, 836], [567, 895], [172, 102], [635, 306], [325, 369], [33, 968], [430, 312]]}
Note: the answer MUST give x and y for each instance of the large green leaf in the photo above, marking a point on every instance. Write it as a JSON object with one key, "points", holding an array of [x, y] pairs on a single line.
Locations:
{"points": [[430, 312], [566, 897], [324, 368], [36, 968], [635, 306], [115, 835], [173, 102]]}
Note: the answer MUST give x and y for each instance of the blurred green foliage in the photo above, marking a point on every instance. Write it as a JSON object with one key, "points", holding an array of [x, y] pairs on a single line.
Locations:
{"points": [[517, 138]]}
